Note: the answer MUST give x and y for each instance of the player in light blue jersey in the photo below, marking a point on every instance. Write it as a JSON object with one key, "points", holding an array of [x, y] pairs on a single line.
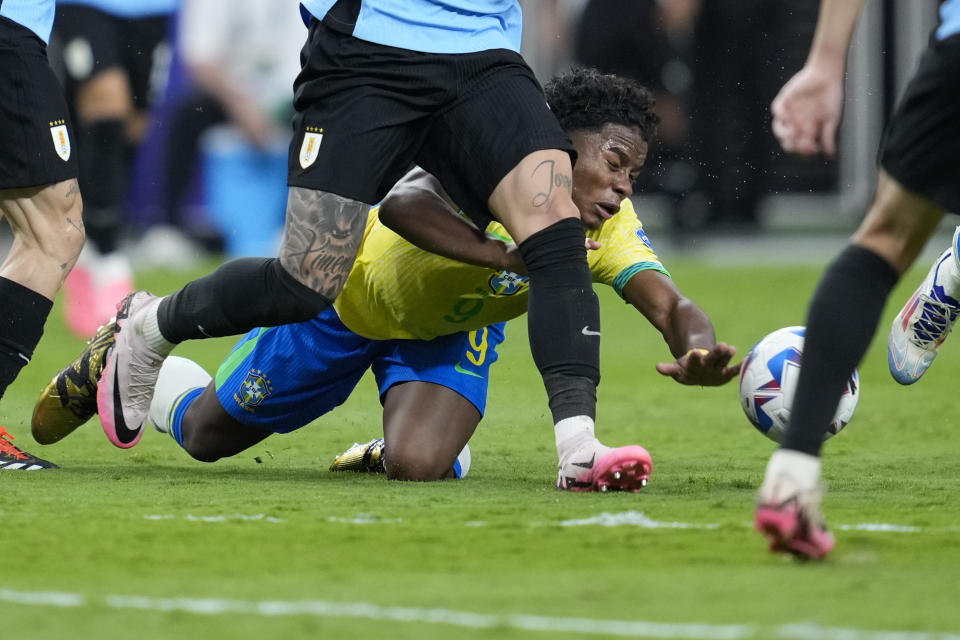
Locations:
{"points": [[383, 84], [113, 55], [36, 15], [127, 8], [39, 196], [919, 181], [434, 26]]}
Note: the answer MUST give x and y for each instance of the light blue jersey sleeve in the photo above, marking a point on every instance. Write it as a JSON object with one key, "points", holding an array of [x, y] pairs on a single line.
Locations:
{"points": [[36, 15], [128, 8], [432, 26], [949, 19]]}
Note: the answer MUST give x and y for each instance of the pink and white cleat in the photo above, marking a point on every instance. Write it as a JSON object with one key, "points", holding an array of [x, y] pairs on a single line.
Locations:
{"points": [[129, 375], [594, 467], [788, 514]]}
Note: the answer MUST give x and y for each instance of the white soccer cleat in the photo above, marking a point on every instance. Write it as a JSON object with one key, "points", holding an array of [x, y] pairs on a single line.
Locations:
{"points": [[595, 467], [129, 375], [925, 321]]}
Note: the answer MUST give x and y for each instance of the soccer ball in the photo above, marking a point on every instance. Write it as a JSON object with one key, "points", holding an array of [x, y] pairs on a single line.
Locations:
{"points": [[768, 380]]}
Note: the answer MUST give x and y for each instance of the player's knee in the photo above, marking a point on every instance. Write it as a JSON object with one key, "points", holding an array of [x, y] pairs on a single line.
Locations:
{"points": [[416, 464]]}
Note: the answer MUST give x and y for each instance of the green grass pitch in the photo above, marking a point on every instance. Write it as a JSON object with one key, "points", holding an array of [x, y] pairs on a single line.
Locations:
{"points": [[148, 543]]}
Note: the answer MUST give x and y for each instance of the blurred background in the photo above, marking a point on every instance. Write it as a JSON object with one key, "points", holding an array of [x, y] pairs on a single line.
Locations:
{"points": [[715, 66], [205, 166]]}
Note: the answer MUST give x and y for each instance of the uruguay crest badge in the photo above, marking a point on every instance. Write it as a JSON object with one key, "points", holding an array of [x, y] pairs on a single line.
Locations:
{"points": [[61, 139], [310, 147]]}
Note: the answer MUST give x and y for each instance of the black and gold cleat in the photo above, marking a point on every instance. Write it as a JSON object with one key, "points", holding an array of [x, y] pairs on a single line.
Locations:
{"points": [[365, 458], [70, 399]]}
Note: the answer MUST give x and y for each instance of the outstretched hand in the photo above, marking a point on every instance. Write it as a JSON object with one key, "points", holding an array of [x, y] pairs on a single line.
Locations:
{"points": [[704, 368]]}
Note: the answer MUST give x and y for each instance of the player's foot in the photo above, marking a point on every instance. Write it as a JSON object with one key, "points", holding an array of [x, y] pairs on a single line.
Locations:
{"points": [[129, 374], [924, 322], [70, 399], [367, 457], [788, 507], [594, 467], [13, 458]]}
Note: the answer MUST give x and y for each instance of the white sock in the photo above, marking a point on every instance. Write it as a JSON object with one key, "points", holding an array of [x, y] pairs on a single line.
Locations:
{"points": [[572, 433], [802, 468], [177, 376], [462, 466], [150, 329]]}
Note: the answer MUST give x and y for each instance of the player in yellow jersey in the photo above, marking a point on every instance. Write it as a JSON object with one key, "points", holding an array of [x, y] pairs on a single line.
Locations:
{"points": [[428, 325]]}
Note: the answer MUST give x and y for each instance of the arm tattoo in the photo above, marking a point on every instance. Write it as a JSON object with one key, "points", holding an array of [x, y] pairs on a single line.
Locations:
{"points": [[559, 180], [321, 238]]}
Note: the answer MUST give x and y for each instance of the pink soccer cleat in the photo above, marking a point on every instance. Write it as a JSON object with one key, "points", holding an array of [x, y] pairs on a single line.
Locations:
{"points": [[594, 467]]}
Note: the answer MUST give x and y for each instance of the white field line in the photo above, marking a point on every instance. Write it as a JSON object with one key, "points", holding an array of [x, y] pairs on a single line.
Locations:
{"points": [[638, 519], [623, 519], [466, 619], [218, 518]]}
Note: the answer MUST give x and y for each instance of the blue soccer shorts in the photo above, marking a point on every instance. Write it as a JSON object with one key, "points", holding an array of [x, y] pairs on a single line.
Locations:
{"points": [[282, 378]]}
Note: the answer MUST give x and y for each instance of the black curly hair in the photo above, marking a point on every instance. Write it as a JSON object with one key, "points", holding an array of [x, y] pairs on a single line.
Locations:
{"points": [[585, 99]]}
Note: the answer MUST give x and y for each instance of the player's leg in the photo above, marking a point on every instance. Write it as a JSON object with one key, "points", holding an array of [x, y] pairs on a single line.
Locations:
{"points": [[39, 196], [426, 427], [841, 322], [47, 238], [276, 380], [434, 393], [193, 416], [917, 184], [515, 162], [40, 200], [920, 151]]}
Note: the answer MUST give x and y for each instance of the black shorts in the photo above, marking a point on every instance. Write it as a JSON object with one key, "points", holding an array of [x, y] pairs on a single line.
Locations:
{"points": [[921, 145], [35, 132], [366, 112], [86, 41]]}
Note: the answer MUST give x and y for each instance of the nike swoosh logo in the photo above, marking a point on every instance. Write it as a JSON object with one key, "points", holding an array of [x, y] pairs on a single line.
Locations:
{"points": [[586, 465], [460, 369], [124, 435], [589, 332]]}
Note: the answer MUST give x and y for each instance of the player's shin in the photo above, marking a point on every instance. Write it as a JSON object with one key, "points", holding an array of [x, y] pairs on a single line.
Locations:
{"points": [[564, 322], [841, 321], [240, 295]]}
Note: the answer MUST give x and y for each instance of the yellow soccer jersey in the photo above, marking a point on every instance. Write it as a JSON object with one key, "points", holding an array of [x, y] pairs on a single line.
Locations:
{"points": [[396, 290]]}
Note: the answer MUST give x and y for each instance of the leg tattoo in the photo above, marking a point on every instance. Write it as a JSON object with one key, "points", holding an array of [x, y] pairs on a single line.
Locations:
{"points": [[321, 238]]}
